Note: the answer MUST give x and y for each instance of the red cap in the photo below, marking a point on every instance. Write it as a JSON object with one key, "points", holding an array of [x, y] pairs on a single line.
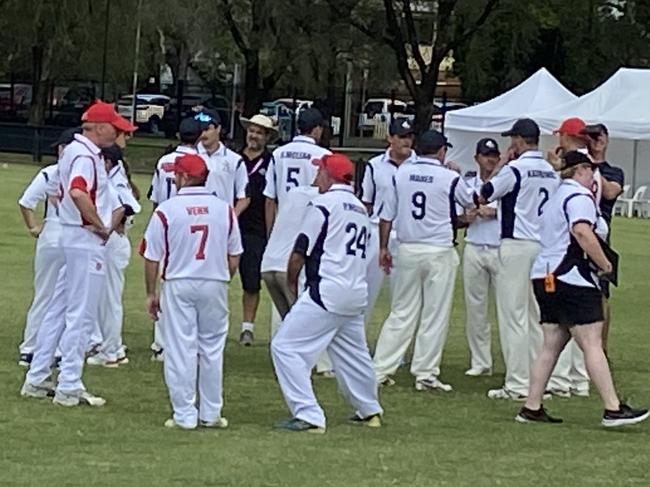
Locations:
{"points": [[338, 166], [101, 112], [572, 126], [192, 165]]}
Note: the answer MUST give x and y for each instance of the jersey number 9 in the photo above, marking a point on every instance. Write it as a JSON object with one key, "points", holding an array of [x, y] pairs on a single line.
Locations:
{"points": [[358, 240], [419, 201]]}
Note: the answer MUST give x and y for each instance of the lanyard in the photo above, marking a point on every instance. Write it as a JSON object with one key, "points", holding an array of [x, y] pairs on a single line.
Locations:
{"points": [[257, 166]]}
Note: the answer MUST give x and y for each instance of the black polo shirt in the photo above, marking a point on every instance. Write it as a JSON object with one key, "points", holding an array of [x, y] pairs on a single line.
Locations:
{"points": [[615, 175], [252, 221]]}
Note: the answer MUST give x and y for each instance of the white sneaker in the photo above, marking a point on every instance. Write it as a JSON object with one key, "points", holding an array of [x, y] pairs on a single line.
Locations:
{"points": [[580, 392], [559, 393], [504, 393], [158, 356], [386, 382], [91, 400], [170, 423], [220, 423], [432, 384], [101, 361], [41, 391], [478, 371], [326, 374], [75, 399]]}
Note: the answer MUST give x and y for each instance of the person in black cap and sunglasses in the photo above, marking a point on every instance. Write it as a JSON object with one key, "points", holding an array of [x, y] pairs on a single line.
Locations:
{"points": [[522, 188], [48, 258], [566, 277]]}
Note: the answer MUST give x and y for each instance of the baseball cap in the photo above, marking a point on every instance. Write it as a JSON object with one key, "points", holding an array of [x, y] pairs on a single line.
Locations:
{"points": [[401, 127], [524, 127], [113, 153], [575, 158], [101, 112], [66, 136], [431, 141], [338, 166], [192, 165], [208, 117], [571, 126], [190, 127], [595, 129], [310, 119], [487, 146]]}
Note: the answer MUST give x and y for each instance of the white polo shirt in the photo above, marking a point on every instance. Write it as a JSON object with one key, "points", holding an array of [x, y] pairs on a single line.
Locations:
{"points": [[378, 182], [163, 183], [422, 203], [482, 231], [523, 188], [228, 177], [572, 203], [333, 238], [44, 187], [286, 228], [119, 180], [192, 235], [292, 166]]}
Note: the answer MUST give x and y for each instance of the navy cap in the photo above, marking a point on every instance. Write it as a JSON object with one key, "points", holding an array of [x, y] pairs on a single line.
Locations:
{"points": [[113, 153], [401, 127], [309, 119], [487, 147], [190, 127], [574, 158], [66, 136], [596, 129], [524, 127], [208, 117], [431, 141]]}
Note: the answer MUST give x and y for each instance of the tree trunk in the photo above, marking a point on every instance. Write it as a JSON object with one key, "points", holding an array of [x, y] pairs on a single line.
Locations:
{"points": [[39, 88], [424, 95], [252, 92]]}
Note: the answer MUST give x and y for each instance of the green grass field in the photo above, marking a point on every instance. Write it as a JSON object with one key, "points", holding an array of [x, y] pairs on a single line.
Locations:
{"points": [[456, 439]]}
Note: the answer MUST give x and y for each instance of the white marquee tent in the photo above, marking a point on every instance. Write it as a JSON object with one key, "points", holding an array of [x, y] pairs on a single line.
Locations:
{"points": [[465, 127]]}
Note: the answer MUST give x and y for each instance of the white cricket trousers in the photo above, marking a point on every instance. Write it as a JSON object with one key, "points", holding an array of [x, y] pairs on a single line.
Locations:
{"points": [[48, 260], [111, 310], [517, 312], [480, 265], [308, 331], [194, 319], [570, 372], [425, 276], [73, 311]]}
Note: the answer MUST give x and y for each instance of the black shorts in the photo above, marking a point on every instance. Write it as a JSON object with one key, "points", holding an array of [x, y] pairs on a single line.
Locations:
{"points": [[250, 262], [569, 305]]}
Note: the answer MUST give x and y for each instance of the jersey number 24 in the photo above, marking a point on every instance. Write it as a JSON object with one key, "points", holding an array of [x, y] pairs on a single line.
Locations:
{"points": [[358, 240]]}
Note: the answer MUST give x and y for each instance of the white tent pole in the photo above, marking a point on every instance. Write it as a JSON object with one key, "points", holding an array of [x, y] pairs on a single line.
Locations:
{"points": [[634, 162]]}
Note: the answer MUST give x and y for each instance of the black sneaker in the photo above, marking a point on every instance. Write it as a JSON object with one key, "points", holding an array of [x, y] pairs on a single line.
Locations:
{"points": [[246, 338], [526, 415], [25, 359], [624, 416]]}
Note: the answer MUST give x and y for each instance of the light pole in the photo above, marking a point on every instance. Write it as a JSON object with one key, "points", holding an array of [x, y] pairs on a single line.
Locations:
{"points": [[106, 17]]}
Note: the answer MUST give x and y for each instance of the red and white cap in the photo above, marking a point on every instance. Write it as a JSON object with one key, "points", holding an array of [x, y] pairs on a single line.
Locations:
{"points": [[101, 112], [338, 166], [572, 126]]}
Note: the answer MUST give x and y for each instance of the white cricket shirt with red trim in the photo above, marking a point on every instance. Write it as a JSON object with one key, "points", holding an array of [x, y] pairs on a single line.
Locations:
{"points": [[192, 236]]}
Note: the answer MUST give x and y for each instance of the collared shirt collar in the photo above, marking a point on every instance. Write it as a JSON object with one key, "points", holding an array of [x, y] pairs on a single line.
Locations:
{"points": [[115, 170], [193, 190], [90, 145], [536, 154], [304, 138], [185, 149], [428, 160], [341, 187], [573, 182], [221, 150], [389, 160]]}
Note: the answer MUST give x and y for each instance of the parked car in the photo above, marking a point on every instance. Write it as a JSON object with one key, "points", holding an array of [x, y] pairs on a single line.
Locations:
{"points": [[281, 112], [191, 104], [380, 106], [149, 110], [440, 107]]}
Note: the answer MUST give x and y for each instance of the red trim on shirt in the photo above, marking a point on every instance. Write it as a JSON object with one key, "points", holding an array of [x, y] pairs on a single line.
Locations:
{"points": [[79, 183], [163, 220], [143, 247]]}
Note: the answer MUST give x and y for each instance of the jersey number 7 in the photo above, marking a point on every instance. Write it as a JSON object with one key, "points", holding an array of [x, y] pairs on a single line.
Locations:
{"points": [[200, 253]]}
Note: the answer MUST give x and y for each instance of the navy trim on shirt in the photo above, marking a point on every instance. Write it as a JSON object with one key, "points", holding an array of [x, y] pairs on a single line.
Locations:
{"points": [[312, 264], [452, 209], [508, 204]]}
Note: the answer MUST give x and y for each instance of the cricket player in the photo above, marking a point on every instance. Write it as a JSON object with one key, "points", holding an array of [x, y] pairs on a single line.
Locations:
{"points": [[195, 238], [291, 164], [422, 205], [377, 184], [228, 177], [522, 188], [329, 314], [163, 187], [480, 257], [48, 258], [88, 211]]}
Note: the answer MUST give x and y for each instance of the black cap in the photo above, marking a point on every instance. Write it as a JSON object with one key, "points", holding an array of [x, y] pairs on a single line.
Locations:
{"points": [[401, 127], [66, 136], [113, 153], [487, 147], [309, 119], [575, 158], [524, 127], [595, 129], [208, 117], [191, 127], [431, 141]]}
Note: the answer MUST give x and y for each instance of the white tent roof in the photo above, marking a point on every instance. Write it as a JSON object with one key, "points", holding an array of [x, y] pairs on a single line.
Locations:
{"points": [[538, 93], [622, 103]]}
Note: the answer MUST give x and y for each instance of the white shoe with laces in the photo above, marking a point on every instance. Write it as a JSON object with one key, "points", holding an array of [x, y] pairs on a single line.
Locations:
{"points": [[220, 423], [432, 384], [478, 371]]}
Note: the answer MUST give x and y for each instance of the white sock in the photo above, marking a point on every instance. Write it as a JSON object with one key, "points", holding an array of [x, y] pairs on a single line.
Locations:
{"points": [[247, 326]]}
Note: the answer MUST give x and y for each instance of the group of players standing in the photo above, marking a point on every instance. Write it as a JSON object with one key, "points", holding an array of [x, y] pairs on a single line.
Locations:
{"points": [[292, 219]]}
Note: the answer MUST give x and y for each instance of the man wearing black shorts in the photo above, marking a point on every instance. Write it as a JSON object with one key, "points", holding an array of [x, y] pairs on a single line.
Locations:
{"points": [[259, 130]]}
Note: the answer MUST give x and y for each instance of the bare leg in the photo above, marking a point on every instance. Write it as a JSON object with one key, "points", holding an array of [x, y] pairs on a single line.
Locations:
{"points": [[607, 315], [589, 339], [250, 303], [555, 339]]}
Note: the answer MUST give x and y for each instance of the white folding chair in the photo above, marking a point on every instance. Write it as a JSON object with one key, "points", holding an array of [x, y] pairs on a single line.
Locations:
{"points": [[637, 201], [621, 202]]}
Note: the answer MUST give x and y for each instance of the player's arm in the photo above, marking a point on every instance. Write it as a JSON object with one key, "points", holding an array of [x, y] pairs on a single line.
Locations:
{"points": [[270, 204], [389, 213], [235, 248], [612, 183], [582, 216], [153, 250], [368, 188], [82, 178], [36, 192], [242, 198], [498, 186], [270, 213]]}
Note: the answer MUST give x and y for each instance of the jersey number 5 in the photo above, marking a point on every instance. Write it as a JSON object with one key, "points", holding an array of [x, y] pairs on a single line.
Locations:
{"points": [[358, 241], [543, 192], [200, 253], [292, 182]]}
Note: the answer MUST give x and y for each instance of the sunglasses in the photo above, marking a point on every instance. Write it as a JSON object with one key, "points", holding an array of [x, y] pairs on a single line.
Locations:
{"points": [[203, 117]]}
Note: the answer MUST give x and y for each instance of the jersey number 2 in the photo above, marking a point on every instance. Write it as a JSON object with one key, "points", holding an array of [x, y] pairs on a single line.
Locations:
{"points": [[358, 241], [200, 253], [543, 192]]}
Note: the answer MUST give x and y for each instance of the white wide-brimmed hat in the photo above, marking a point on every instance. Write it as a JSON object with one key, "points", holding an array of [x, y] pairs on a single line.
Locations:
{"points": [[259, 120]]}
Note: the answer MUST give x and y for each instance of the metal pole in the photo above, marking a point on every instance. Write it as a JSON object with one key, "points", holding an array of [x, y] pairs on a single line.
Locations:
{"points": [[235, 85], [444, 112], [106, 17], [347, 112], [634, 163], [134, 87]]}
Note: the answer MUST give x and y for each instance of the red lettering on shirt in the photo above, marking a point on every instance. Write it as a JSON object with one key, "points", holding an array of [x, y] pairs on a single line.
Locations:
{"points": [[167, 166], [197, 210]]}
